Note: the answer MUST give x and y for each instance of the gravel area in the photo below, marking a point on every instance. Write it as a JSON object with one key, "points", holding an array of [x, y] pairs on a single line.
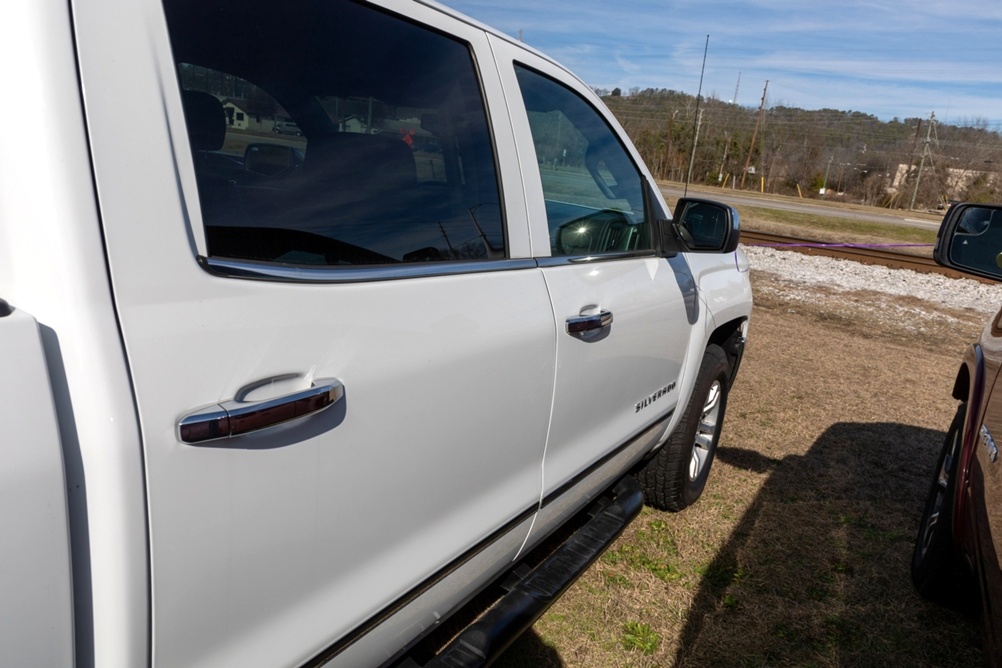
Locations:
{"points": [[846, 275], [886, 301]]}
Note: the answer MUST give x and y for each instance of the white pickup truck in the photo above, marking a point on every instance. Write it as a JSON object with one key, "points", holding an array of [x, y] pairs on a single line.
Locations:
{"points": [[279, 400]]}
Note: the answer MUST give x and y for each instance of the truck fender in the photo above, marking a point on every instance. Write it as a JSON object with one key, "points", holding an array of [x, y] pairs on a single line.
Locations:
{"points": [[36, 614]]}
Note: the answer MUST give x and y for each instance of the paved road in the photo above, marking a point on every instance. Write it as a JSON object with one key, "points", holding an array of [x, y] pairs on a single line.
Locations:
{"points": [[738, 198]]}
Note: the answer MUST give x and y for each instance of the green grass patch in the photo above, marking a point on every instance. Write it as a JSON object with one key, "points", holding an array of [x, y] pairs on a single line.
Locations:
{"points": [[636, 558], [617, 579], [640, 637], [835, 226]]}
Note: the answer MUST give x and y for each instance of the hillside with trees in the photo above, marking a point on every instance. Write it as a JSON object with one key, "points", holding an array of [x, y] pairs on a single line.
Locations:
{"points": [[849, 155]]}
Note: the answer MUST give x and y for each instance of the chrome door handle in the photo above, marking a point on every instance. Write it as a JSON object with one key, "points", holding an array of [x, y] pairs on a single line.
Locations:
{"points": [[233, 418], [589, 323]]}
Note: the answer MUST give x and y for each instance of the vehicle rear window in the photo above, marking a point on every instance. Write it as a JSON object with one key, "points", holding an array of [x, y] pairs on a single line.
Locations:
{"points": [[334, 134]]}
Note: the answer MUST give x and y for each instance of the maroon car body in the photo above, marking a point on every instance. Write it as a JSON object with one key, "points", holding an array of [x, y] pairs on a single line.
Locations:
{"points": [[960, 536]]}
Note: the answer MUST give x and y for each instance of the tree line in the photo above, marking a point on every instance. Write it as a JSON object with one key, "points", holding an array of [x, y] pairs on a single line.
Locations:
{"points": [[847, 155]]}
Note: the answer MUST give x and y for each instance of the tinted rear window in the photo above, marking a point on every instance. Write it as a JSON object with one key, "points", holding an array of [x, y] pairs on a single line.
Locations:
{"points": [[334, 134]]}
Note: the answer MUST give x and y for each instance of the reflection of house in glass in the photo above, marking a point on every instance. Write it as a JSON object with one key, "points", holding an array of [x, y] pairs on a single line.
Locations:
{"points": [[425, 146], [240, 115], [351, 124], [259, 114], [236, 117], [247, 107]]}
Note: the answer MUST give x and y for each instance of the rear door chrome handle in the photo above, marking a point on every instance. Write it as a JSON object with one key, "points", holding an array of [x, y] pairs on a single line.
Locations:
{"points": [[589, 323], [233, 418]]}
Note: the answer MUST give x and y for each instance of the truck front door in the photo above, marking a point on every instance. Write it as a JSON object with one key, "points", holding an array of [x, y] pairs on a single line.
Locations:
{"points": [[620, 309]]}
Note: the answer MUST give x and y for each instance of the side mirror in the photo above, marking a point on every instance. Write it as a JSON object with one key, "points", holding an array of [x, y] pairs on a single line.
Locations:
{"points": [[970, 240], [706, 226], [269, 159]]}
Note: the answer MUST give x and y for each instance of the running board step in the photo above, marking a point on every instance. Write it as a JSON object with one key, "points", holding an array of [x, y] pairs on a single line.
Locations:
{"points": [[484, 640]]}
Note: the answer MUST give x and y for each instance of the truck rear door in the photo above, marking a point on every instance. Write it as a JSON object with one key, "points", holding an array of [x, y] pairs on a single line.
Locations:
{"points": [[343, 370]]}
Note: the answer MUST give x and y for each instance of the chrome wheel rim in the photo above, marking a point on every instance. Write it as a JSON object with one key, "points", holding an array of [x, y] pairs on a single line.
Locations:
{"points": [[706, 429]]}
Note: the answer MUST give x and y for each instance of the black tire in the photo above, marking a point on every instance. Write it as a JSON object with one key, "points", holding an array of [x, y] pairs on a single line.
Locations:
{"points": [[938, 572], [675, 476]]}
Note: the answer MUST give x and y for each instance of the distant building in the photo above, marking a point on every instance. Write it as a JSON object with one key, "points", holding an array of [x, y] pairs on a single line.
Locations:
{"points": [[957, 180]]}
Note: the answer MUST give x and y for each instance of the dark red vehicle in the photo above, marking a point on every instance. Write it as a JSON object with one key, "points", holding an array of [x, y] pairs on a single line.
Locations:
{"points": [[960, 536]]}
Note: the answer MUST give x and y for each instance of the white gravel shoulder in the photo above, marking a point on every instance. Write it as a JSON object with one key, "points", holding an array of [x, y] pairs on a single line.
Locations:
{"points": [[849, 276]]}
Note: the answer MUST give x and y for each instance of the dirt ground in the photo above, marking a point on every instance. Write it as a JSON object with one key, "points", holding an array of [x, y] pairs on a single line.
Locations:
{"points": [[798, 552]]}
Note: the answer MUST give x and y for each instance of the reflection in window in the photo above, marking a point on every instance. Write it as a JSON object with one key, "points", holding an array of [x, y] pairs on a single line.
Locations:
{"points": [[978, 241], [346, 136], [594, 193]]}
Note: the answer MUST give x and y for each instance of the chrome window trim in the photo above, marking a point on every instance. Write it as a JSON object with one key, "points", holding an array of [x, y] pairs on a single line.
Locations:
{"points": [[228, 268], [264, 271], [562, 260]]}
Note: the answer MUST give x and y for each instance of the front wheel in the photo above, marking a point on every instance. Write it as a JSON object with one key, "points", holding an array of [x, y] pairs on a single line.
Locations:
{"points": [[675, 477], [937, 571]]}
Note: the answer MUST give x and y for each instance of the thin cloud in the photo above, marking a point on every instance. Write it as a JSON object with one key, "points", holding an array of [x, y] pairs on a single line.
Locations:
{"points": [[874, 56]]}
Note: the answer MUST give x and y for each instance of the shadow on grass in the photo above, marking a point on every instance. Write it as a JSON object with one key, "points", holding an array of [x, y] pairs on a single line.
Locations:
{"points": [[817, 570], [529, 651]]}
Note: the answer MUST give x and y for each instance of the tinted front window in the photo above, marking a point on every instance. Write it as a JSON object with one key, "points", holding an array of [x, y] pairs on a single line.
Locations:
{"points": [[594, 192], [334, 134]]}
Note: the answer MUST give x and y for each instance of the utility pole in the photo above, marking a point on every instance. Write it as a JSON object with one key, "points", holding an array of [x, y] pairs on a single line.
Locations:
{"points": [[758, 121], [695, 140], [666, 172], [824, 184], [699, 119], [737, 87], [727, 145], [925, 152], [918, 129]]}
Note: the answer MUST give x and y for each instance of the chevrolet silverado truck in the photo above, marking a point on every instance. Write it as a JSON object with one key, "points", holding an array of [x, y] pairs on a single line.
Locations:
{"points": [[374, 394]]}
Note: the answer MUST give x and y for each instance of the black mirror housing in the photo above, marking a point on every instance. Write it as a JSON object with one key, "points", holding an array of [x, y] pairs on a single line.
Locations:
{"points": [[705, 226], [664, 236], [970, 240]]}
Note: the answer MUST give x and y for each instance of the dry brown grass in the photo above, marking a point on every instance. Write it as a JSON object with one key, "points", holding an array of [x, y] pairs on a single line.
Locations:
{"points": [[798, 552]]}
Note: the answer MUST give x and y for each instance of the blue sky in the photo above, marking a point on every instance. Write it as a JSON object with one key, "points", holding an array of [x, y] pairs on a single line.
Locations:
{"points": [[889, 58]]}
